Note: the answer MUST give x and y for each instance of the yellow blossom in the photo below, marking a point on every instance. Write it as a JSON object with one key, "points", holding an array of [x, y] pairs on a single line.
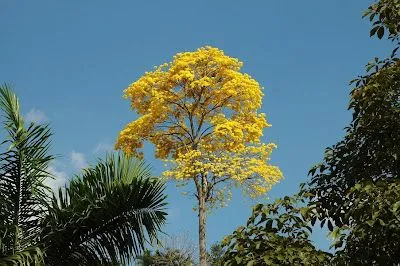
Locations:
{"points": [[201, 113]]}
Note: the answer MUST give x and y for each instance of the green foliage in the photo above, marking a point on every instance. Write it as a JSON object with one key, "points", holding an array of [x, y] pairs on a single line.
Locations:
{"points": [[105, 214], [172, 250], [214, 258], [23, 196], [29, 256], [171, 257], [385, 16], [375, 225], [356, 187], [370, 149], [104, 217], [165, 257], [145, 259], [275, 234]]}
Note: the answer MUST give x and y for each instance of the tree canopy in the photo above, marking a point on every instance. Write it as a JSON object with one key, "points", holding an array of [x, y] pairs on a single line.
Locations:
{"points": [[275, 234], [356, 186], [201, 113], [200, 110]]}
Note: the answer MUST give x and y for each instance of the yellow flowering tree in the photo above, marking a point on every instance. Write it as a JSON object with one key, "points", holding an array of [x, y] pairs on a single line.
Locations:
{"points": [[201, 113]]}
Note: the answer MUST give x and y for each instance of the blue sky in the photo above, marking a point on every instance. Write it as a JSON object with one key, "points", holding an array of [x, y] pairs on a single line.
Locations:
{"points": [[69, 62]]}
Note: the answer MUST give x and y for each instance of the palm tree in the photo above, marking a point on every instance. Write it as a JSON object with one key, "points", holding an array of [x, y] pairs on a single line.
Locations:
{"points": [[104, 216], [23, 194], [165, 257], [173, 250]]}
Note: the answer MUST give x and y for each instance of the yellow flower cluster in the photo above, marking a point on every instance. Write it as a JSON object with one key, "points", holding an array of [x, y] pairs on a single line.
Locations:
{"points": [[233, 134], [200, 112], [249, 167]]}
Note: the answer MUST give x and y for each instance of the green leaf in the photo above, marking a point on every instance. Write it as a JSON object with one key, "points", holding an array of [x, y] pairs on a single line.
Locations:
{"points": [[268, 224], [330, 226], [304, 211], [370, 222], [380, 32], [267, 260], [313, 220], [250, 263], [396, 206], [323, 222]]}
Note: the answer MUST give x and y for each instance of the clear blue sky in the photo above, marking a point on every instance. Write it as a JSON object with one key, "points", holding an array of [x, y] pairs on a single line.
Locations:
{"points": [[70, 60]]}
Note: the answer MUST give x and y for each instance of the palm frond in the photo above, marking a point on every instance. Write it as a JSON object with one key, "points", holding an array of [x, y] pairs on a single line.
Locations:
{"points": [[31, 255], [105, 215], [23, 165]]}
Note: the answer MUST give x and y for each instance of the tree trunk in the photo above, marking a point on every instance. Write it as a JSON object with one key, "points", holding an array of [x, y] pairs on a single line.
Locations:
{"points": [[202, 227]]}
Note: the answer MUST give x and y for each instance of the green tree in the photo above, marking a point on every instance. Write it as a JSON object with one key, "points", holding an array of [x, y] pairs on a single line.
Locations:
{"points": [[275, 234], [355, 187], [172, 250], [374, 237], [103, 217], [170, 257], [145, 259], [215, 254], [369, 150], [23, 165]]}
